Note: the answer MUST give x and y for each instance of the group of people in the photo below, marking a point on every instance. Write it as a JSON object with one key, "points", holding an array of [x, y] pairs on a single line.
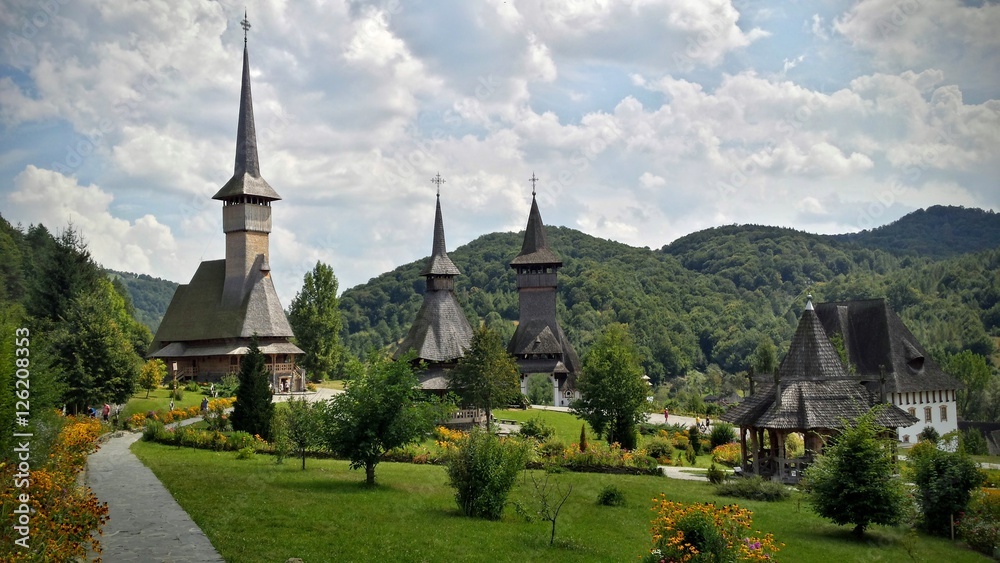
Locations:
{"points": [[697, 421], [105, 412]]}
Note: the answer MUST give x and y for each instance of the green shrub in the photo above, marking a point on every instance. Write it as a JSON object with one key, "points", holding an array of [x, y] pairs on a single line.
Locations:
{"points": [[239, 440], [537, 429], [980, 526], [694, 438], [722, 433], [152, 430], [930, 434], [245, 453], [716, 476], [192, 386], [974, 442], [611, 495], [753, 488], [652, 428], [483, 469], [177, 394], [551, 448], [660, 448], [689, 454], [945, 481]]}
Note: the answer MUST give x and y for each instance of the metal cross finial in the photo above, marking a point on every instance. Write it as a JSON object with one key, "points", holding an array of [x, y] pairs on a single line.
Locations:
{"points": [[438, 180], [245, 24], [533, 179]]}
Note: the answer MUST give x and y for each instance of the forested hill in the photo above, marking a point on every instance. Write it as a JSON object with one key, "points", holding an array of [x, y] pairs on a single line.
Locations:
{"points": [[710, 296], [150, 296], [937, 231]]}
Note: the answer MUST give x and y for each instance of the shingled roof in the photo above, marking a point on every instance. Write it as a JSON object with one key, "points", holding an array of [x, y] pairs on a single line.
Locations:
{"points": [[810, 405], [441, 332], [810, 354], [816, 391], [535, 248], [539, 338], [875, 337], [246, 178], [197, 311], [439, 264]]}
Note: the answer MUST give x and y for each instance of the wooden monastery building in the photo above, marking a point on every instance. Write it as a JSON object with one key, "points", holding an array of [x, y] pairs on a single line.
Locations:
{"points": [[877, 342], [538, 344], [811, 395], [208, 325]]}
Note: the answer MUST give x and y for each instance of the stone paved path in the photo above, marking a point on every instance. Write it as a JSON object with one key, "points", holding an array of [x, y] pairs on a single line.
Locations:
{"points": [[146, 523]]}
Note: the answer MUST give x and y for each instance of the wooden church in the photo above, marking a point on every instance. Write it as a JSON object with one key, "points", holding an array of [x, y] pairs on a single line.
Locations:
{"points": [[539, 344], [441, 334], [208, 325]]}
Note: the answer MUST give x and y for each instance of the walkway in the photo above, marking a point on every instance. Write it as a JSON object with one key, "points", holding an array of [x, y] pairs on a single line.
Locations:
{"points": [[146, 523]]}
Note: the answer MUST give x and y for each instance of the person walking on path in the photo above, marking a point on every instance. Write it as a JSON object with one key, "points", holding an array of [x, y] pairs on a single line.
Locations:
{"points": [[106, 412], [204, 405]]}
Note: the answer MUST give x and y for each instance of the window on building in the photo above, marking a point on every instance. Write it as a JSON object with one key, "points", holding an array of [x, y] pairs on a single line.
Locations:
{"points": [[944, 413], [912, 411], [927, 414], [906, 438]]}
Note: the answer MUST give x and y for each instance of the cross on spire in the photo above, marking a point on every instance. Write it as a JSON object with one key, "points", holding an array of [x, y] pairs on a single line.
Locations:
{"points": [[245, 24], [533, 179], [438, 180]]}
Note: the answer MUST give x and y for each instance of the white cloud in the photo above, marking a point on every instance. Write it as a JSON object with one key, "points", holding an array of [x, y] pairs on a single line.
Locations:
{"points": [[50, 198]]}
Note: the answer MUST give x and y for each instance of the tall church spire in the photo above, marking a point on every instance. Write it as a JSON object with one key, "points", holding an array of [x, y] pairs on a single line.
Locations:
{"points": [[246, 178]]}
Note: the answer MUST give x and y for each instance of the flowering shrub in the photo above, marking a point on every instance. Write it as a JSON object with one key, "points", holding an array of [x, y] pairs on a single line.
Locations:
{"points": [[727, 454], [216, 411], [601, 457], [64, 516], [705, 532], [980, 525]]}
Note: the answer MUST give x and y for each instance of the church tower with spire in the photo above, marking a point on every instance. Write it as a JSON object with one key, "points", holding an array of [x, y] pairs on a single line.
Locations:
{"points": [[209, 323], [440, 334], [538, 344]]}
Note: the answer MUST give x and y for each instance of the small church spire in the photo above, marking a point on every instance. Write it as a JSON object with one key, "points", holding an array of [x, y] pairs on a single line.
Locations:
{"points": [[439, 264], [245, 24]]}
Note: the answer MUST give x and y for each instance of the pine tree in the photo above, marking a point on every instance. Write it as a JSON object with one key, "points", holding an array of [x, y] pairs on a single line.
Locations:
{"points": [[253, 410]]}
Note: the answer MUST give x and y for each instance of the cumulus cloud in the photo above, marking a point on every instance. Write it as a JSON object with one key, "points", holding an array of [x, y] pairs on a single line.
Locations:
{"points": [[50, 198]]}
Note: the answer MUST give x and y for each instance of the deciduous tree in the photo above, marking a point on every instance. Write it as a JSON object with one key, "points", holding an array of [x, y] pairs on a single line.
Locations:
{"points": [[152, 374], [853, 482], [487, 376], [381, 409], [613, 393]]}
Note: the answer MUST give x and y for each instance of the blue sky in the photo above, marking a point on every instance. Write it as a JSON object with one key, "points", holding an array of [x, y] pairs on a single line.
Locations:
{"points": [[644, 120]]}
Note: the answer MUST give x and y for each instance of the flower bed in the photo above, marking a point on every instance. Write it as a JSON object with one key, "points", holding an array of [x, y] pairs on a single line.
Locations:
{"points": [[704, 532], [64, 516], [138, 420]]}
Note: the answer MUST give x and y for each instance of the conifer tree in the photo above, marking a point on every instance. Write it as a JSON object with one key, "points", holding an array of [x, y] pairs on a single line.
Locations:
{"points": [[253, 410]]}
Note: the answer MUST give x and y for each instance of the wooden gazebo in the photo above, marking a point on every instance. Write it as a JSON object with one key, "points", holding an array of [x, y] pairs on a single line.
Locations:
{"points": [[811, 394]]}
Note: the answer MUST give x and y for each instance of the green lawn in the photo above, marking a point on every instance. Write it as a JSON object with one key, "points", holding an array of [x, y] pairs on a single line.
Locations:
{"points": [[255, 510], [159, 399], [567, 427]]}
